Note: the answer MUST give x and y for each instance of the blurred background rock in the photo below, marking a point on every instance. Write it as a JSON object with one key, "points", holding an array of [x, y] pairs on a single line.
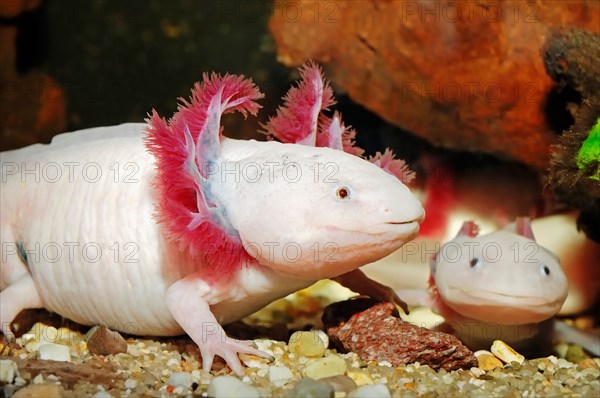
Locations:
{"points": [[68, 64], [412, 75]]}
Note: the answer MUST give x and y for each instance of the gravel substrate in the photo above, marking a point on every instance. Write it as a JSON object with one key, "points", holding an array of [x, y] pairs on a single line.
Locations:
{"points": [[171, 367]]}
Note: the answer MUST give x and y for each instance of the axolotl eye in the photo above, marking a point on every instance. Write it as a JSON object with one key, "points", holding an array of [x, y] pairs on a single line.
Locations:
{"points": [[343, 193], [544, 270]]}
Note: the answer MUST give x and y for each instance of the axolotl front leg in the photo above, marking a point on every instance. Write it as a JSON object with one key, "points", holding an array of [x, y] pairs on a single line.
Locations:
{"points": [[360, 283], [18, 289], [186, 302]]}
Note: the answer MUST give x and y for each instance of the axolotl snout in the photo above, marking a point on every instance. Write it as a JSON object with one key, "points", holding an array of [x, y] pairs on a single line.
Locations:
{"points": [[197, 229], [500, 285]]}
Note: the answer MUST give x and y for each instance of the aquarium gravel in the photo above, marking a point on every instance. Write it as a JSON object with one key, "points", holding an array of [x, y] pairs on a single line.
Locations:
{"points": [[302, 367]]}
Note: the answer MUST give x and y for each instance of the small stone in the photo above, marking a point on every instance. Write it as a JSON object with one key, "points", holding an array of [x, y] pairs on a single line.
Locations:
{"points": [[571, 382], [506, 353], [180, 379], [131, 383], [55, 352], [561, 349], [309, 344], [477, 372], [323, 337], [102, 394], [103, 341], [588, 363], [310, 388], [44, 333], [40, 390], [229, 386], [68, 335], [371, 391], [279, 375], [489, 362], [584, 323], [360, 377], [576, 354], [340, 383], [332, 365], [8, 371]]}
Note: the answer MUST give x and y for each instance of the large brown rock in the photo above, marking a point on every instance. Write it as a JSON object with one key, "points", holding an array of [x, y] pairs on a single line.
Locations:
{"points": [[466, 75]]}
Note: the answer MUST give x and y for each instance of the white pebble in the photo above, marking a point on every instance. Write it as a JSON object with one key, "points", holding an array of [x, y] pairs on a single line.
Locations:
{"points": [[8, 371], [131, 383], [372, 391], [180, 379], [332, 365], [477, 382], [279, 375], [264, 345], [323, 336], [477, 372], [506, 353], [563, 363], [229, 386], [39, 379], [102, 394], [172, 362], [254, 362], [55, 352], [44, 333]]}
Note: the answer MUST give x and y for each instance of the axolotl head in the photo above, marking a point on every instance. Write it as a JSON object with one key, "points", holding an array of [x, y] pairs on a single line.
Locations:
{"points": [[312, 212], [503, 277]]}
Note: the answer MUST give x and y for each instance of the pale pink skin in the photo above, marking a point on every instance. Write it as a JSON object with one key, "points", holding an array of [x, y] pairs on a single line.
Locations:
{"points": [[498, 286], [161, 292], [513, 279]]}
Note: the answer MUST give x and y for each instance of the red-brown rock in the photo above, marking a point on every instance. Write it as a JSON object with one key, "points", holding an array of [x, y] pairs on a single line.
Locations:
{"points": [[377, 334], [465, 75], [103, 341]]}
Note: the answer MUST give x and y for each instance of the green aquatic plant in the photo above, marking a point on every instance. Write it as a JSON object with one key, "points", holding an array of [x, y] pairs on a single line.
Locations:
{"points": [[589, 153]]}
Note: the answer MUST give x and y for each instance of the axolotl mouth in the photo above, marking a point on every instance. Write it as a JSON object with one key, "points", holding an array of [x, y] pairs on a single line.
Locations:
{"points": [[498, 307], [398, 229], [491, 297]]}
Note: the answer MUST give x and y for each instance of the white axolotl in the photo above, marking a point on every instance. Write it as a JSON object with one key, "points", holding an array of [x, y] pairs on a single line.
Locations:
{"points": [[502, 286], [169, 227]]}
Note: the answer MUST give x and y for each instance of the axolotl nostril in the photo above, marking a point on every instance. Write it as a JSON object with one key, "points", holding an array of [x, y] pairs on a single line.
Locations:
{"points": [[169, 227]]}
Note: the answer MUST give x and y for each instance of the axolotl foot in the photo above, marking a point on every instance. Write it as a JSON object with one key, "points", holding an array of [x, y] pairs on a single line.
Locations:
{"points": [[360, 283], [185, 300], [228, 349]]}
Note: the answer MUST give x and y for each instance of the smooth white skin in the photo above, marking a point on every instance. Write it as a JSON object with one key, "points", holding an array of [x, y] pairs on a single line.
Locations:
{"points": [[408, 267], [302, 228], [513, 281], [127, 285]]}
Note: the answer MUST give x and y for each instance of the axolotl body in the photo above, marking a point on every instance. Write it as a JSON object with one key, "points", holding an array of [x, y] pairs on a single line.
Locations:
{"points": [[498, 286], [170, 227]]}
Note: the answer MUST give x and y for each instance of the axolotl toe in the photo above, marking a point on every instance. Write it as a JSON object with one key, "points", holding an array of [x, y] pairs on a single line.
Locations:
{"points": [[169, 227]]}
